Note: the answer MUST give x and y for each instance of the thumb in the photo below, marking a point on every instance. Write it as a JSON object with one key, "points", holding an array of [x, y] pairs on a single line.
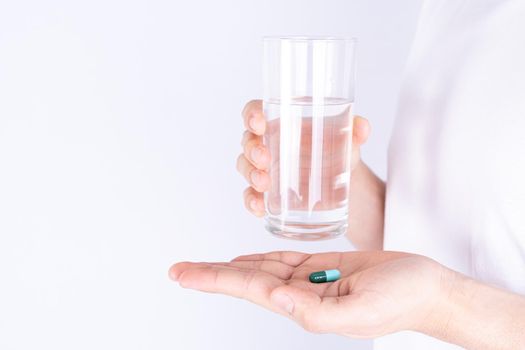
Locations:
{"points": [[361, 130], [292, 300], [313, 313]]}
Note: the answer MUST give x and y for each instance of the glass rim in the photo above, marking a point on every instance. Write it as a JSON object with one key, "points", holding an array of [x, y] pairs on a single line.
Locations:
{"points": [[307, 38]]}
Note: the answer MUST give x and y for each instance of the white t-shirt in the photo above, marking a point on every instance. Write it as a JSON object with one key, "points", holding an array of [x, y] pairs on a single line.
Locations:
{"points": [[456, 176]]}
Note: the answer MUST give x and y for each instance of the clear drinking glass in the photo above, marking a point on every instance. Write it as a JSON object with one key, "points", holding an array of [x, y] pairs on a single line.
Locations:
{"points": [[308, 100]]}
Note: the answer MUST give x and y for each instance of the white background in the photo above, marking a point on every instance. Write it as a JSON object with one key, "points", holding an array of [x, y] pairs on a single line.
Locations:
{"points": [[119, 128]]}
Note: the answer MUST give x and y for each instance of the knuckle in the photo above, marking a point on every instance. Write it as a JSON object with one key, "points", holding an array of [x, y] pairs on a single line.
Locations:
{"points": [[246, 135], [250, 107], [247, 192], [248, 146], [255, 103], [239, 163]]}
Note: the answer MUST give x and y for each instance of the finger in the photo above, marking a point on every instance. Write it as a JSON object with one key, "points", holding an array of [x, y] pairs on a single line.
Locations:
{"points": [[253, 117], [245, 136], [361, 130], [254, 202], [275, 268], [258, 179], [314, 313], [256, 152], [251, 285], [293, 259], [178, 269]]}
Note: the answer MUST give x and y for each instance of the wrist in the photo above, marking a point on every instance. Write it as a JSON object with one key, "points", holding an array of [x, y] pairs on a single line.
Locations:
{"points": [[367, 193], [475, 315], [437, 321]]}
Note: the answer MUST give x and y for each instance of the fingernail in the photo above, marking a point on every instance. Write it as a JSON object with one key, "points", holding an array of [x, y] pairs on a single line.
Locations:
{"points": [[174, 276], [283, 302], [253, 205], [257, 154], [256, 124]]}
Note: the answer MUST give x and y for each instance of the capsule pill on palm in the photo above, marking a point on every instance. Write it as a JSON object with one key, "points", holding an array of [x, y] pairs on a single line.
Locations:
{"points": [[325, 276]]}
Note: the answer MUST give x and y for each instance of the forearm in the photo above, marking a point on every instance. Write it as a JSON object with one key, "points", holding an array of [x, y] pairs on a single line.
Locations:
{"points": [[477, 316], [367, 207]]}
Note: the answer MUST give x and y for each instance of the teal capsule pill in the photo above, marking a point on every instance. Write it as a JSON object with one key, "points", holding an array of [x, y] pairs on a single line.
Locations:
{"points": [[325, 276]]}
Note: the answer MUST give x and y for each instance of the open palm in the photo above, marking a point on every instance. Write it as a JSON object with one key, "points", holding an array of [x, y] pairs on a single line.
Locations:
{"points": [[378, 293]]}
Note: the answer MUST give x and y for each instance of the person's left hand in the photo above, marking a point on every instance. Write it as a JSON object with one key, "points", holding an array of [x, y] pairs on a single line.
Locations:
{"points": [[378, 293]]}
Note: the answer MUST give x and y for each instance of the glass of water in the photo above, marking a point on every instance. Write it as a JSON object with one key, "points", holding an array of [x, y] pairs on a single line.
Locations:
{"points": [[308, 100]]}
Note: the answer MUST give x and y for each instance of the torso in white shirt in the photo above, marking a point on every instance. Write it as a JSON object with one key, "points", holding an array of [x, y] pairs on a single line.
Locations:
{"points": [[456, 177]]}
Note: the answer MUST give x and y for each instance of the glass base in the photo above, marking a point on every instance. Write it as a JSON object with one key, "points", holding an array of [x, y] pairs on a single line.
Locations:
{"points": [[306, 232]]}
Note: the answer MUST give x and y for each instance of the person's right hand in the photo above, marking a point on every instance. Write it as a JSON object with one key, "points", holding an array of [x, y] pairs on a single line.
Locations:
{"points": [[378, 292], [254, 161]]}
